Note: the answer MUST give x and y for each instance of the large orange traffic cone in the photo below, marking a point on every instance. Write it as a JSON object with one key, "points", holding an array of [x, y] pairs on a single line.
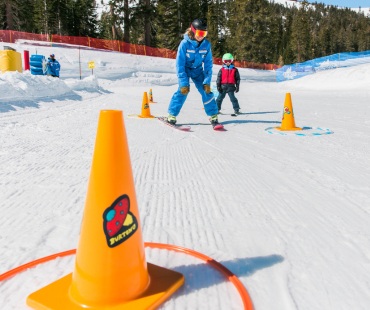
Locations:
{"points": [[287, 122], [145, 109], [110, 271]]}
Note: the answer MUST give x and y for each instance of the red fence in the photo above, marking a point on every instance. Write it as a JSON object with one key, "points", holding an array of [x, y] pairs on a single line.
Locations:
{"points": [[11, 36], [248, 64]]}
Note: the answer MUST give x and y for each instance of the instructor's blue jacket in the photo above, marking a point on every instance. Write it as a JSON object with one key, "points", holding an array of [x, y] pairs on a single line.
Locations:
{"points": [[190, 56]]}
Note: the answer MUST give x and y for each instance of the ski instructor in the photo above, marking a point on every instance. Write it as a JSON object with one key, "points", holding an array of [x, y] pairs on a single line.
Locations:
{"points": [[194, 60]]}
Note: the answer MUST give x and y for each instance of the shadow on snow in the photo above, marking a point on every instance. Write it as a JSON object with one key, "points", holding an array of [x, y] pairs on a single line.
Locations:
{"points": [[204, 275]]}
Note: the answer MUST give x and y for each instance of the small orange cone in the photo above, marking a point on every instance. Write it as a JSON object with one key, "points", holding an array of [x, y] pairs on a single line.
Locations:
{"points": [[287, 122], [145, 109], [110, 271], [151, 100]]}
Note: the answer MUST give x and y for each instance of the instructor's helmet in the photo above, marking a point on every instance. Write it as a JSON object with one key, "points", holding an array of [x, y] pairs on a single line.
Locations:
{"points": [[227, 59], [199, 27]]}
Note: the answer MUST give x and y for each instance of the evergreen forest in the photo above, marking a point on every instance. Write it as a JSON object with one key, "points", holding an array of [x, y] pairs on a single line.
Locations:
{"points": [[260, 31]]}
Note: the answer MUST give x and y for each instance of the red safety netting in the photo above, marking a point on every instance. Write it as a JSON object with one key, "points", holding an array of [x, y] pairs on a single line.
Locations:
{"points": [[113, 45]]}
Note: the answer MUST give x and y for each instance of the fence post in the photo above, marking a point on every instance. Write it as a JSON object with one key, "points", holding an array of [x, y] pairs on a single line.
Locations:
{"points": [[26, 56]]}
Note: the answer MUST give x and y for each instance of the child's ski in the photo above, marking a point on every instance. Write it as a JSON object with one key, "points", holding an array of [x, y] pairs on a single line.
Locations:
{"points": [[179, 127]]}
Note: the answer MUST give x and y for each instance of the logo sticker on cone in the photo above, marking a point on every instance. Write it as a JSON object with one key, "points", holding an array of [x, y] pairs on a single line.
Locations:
{"points": [[287, 122], [119, 223], [110, 270]]}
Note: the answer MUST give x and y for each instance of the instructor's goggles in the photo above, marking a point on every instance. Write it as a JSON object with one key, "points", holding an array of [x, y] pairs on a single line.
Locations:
{"points": [[199, 33]]}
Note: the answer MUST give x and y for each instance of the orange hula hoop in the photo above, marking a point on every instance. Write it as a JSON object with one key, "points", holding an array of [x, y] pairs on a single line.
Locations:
{"points": [[247, 302]]}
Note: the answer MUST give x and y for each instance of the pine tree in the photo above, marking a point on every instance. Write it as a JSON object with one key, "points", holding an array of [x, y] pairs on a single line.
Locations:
{"points": [[47, 16], [3, 23], [110, 25], [279, 36], [141, 18], [40, 18], [300, 36], [11, 14], [288, 54], [26, 9], [126, 21], [253, 31], [58, 15], [217, 26], [189, 10], [236, 27], [166, 24], [363, 37], [142, 21], [83, 20]]}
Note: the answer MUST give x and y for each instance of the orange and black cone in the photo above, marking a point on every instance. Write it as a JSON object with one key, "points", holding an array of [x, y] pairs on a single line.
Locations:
{"points": [[145, 108], [150, 95], [110, 270], [287, 122]]}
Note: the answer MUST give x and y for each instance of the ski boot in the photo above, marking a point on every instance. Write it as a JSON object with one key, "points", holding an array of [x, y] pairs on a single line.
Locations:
{"points": [[171, 119], [214, 122]]}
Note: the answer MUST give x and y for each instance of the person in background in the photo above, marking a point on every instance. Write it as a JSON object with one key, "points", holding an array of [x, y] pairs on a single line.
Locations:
{"points": [[228, 80], [53, 66], [194, 61]]}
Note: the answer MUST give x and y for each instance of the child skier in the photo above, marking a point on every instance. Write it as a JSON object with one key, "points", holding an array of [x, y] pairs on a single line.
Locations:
{"points": [[228, 80]]}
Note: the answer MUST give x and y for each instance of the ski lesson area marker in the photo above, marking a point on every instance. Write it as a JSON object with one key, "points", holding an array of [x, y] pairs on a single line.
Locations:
{"points": [[288, 126], [306, 131], [91, 65], [244, 295]]}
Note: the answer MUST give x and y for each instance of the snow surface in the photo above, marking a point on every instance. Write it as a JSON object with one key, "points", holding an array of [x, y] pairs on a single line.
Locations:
{"points": [[289, 215]]}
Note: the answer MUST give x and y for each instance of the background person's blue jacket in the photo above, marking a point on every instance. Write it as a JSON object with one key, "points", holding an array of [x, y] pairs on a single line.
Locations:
{"points": [[193, 54], [53, 67]]}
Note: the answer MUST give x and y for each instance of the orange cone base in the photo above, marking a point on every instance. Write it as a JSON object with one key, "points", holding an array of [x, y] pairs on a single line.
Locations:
{"points": [[146, 116], [288, 129], [163, 283]]}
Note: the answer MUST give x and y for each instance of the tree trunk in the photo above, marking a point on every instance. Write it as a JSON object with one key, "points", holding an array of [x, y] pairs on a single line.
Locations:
{"points": [[114, 22], [9, 15], [147, 23], [126, 22]]}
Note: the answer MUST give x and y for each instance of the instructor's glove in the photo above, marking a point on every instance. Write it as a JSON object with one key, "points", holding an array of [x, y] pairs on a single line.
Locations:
{"points": [[207, 88], [219, 89], [185, 90], [237, 88]]}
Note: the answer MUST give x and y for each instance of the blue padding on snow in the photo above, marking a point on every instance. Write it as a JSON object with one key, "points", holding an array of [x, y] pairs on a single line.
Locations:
{"points": [[340, 60], [37, 64]]}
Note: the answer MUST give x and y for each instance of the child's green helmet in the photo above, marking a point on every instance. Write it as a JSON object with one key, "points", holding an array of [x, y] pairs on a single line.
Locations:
{"points": [[227, 58]]}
